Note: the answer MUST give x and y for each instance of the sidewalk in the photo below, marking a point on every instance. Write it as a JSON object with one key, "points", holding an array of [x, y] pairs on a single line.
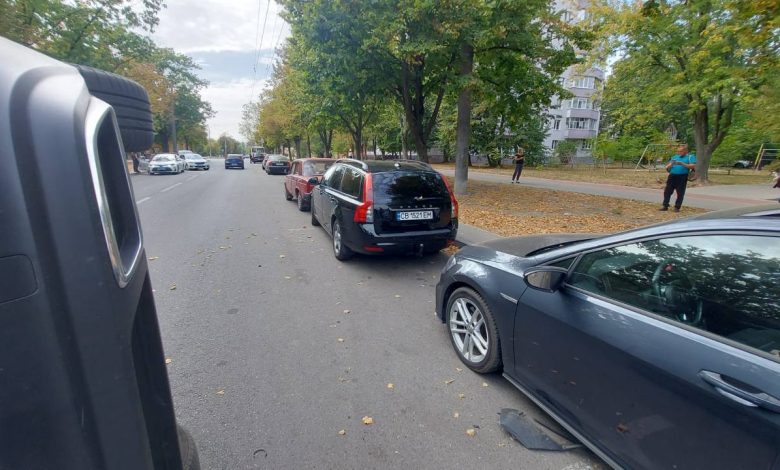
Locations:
{"points": [[471, 235], [704, 197]]}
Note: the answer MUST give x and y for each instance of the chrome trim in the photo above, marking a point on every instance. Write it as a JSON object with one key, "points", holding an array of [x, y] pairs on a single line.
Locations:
{"points": [[563, 423], [97, 112], [511, 299]]}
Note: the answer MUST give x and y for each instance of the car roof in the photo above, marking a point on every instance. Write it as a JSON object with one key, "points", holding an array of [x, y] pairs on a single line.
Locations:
{"points": [[378, 166], [277, 157], [315, 160], [234, 155], [165, 155]]}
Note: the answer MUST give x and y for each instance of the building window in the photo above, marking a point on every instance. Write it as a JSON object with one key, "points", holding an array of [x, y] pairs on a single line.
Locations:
{"points": [[580, 123], [554, 144], [581, 103], [556, 124], [584, 82], [586, 144]]}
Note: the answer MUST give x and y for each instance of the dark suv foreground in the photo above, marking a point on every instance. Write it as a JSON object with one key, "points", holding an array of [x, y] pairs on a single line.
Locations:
{"points": [[374, 207]]}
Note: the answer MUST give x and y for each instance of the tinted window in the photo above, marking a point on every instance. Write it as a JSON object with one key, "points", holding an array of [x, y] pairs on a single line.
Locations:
{"points": [[332, 177], [401, 186], [726, 284], [351, 182]]}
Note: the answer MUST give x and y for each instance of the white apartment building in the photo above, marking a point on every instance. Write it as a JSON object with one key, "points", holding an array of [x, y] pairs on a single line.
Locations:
{"points": [[575, 118]]}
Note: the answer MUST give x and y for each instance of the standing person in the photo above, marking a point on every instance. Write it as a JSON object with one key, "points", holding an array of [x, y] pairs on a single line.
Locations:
{"points": [[519, 162], [135, 162], [678, 167]]}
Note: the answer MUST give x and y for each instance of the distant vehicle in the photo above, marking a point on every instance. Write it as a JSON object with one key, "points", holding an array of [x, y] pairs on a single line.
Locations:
{"points": [[277, 164], [184, 152], [257, 150], [193, 161], [265, 160], [234, 160], [297, 184], [166, 163], [256, 157], [648, 346], [376, 206], [743, 164]]}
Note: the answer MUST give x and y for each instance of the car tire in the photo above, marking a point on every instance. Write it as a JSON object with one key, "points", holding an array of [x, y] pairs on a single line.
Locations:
{"points": [[187, 449], [299, 201], [463, 305], [287, 195], [314, 221], [340, 250], [130, 102]]}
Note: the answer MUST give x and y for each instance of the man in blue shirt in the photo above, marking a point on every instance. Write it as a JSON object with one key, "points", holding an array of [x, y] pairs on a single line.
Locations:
{"points": [[679, 167]]}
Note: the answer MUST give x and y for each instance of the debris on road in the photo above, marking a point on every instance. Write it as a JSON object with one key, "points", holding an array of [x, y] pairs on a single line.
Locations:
{"points": [[368, 420], [343, 432], [168, 360], [173, 287], [221, 392], [152, 258], [447, 382], [471, 432], [390, 386], [532, 433]]}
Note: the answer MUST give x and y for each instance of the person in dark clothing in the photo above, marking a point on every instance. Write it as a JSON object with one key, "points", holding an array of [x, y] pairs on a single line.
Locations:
{"points": [[135, 162], [519, 162], [679, 167]]}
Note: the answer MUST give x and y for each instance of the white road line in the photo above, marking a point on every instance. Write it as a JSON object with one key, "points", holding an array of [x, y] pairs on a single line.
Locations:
{"points": [[170, 187], [192, 177], [144, 199]]}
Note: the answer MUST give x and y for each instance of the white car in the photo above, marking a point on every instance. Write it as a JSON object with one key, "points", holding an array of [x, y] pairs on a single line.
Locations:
{"points": [[193, 161], [166, 163]]}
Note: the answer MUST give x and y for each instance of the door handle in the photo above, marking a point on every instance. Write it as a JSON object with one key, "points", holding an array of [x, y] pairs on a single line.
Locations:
{"points": [[745, 397]]}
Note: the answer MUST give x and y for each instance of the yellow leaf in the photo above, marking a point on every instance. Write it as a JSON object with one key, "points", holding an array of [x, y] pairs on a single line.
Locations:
{"points": [[368, 420], [471, 432]]}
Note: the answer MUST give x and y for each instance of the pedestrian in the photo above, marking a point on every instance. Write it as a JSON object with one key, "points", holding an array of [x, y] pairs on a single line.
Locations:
{"points": [[776, 179], [519, 162], [679, 166], [135, 162]]}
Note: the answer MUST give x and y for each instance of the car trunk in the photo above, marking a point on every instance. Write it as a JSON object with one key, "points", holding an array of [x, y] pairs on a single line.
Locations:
{"points": [[406, 201]]}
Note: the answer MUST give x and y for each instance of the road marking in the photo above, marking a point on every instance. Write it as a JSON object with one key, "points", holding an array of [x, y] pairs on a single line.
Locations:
{"points": [[192, 177], [142, 200], [170, 187]]}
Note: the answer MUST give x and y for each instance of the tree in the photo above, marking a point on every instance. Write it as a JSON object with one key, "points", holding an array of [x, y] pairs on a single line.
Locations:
{"points": [[713, 55]]}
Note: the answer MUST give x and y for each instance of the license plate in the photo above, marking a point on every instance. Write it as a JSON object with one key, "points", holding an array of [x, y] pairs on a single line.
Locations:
{"points": [[414, 215]]}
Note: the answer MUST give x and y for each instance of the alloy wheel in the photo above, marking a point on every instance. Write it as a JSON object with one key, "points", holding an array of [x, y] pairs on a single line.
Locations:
{"points": [[469, 330]]}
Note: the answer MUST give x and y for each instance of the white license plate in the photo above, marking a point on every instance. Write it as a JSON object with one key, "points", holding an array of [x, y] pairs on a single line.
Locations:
{"points": [[414, 215]]}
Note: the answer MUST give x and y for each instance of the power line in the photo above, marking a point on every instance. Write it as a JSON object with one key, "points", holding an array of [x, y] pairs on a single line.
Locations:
{"points": [[258, 47]]}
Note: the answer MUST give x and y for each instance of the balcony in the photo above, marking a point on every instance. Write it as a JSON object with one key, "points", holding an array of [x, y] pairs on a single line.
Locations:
{"points": [[583, 113], [581, 133]]}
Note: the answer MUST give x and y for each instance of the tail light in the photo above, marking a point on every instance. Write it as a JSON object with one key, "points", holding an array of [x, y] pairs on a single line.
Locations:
{"points": [[452, 198], [364, 213]]}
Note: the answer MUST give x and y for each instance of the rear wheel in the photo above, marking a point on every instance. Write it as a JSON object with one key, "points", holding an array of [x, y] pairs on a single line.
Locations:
{"points": [[473, 331], [287, 195], [314, 221], [299, 200], [340, 250]]}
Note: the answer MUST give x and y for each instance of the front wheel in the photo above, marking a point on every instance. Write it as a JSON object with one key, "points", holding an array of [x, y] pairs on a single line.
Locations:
{"points": [[473, 331], [340, 250]]}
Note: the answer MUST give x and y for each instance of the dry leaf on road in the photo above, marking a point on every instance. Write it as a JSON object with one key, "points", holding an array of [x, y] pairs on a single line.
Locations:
{"points": [[152, 258], [342, 432], [461, 396], [282, 256], [484, 384], [368, 420], [173, 287], [447, 382], [471, 432], [346, 311], [168, 360], [390, 386], [340, 340], [221, 392]]}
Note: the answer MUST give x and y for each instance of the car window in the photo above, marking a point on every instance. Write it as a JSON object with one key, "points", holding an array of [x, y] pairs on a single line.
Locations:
{"points": [[395, 187], [315, 168], [728, 285], [332, 177], [296, 168], [564, 263], [351, 183]]}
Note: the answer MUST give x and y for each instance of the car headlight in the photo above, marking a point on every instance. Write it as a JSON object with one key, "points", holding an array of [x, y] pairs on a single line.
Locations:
{"points": [[450, 263]]}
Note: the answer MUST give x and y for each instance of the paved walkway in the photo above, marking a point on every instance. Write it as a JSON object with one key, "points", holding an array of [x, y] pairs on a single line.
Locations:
{"points": [[704, 197]]}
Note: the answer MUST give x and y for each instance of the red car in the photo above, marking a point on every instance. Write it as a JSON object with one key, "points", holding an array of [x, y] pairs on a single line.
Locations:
{"points": [[297, 183]]}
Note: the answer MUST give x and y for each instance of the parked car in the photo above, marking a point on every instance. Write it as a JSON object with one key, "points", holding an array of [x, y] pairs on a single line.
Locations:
{"points": [[376, 206], [743, 164], [193, 161], [166, 163], [265, 160], [298, 184], [277, 164], [256, 157], [234, 160], [649, 345]]}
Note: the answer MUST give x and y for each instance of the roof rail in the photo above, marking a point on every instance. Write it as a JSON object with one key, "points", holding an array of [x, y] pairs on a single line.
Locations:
{"points": [[418, 162], [354, 162]]}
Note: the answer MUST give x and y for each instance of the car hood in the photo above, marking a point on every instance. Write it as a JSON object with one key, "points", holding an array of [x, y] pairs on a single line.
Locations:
{"points": [[524, 245]]}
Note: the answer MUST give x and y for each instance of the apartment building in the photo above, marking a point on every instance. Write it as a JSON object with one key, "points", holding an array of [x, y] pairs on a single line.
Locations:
{"points": [[577, 118]]}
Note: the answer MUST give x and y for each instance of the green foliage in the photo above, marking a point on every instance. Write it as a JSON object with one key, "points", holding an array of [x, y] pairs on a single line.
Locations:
{"points": [[565, 151]]}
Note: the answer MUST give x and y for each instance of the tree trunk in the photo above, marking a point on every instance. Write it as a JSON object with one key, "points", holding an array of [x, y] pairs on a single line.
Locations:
{"points": [[308, 145], [464, 122], [297, 141], [163, 134], [357, 140], [404, 147]]}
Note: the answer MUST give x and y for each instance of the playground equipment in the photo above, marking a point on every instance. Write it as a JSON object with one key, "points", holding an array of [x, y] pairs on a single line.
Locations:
{"points": [[767, 153]]}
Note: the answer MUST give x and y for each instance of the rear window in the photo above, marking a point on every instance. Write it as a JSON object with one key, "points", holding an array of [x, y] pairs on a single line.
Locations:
{"points": [[351, 183], [403, 186]]}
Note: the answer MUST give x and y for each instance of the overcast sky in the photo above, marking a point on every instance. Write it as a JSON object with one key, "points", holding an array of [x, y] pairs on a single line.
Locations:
{"points": [[224, 38]]}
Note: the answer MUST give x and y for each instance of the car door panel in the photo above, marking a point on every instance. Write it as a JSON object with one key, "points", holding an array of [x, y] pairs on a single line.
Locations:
{"points": [[630, 382]]}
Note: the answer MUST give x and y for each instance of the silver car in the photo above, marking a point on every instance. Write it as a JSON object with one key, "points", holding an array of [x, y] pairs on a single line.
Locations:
{"points": [[166, 163], [193, 161]]}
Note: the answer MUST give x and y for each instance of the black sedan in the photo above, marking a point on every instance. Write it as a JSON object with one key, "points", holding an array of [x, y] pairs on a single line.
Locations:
{"points": [[658, 347], [277, 164]]}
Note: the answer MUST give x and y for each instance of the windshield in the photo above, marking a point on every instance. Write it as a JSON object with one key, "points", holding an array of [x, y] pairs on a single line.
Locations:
{"points": [[164, 158], [315, 168], [193, 156]]}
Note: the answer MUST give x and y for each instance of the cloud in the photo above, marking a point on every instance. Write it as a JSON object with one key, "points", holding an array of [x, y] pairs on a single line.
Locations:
{"points": [[227, 40]]}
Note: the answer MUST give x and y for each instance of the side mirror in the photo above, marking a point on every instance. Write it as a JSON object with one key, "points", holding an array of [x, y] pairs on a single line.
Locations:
{"points": [[545, 278], [314, 181]]}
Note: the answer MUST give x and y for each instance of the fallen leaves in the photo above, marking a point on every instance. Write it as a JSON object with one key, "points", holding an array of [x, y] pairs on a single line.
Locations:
{"points": [[461, 396], [346, 311], [471, 432], [340, 340], [456, 415], [390, 386], [447, 382], [221, 392], [343, 432], [173, 287], [368, 420], [168, 360], [152, 258], [484, 384]]}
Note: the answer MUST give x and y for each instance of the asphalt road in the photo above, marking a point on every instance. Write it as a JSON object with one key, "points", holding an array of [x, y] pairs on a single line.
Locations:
{"points": [[276, 346]]}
